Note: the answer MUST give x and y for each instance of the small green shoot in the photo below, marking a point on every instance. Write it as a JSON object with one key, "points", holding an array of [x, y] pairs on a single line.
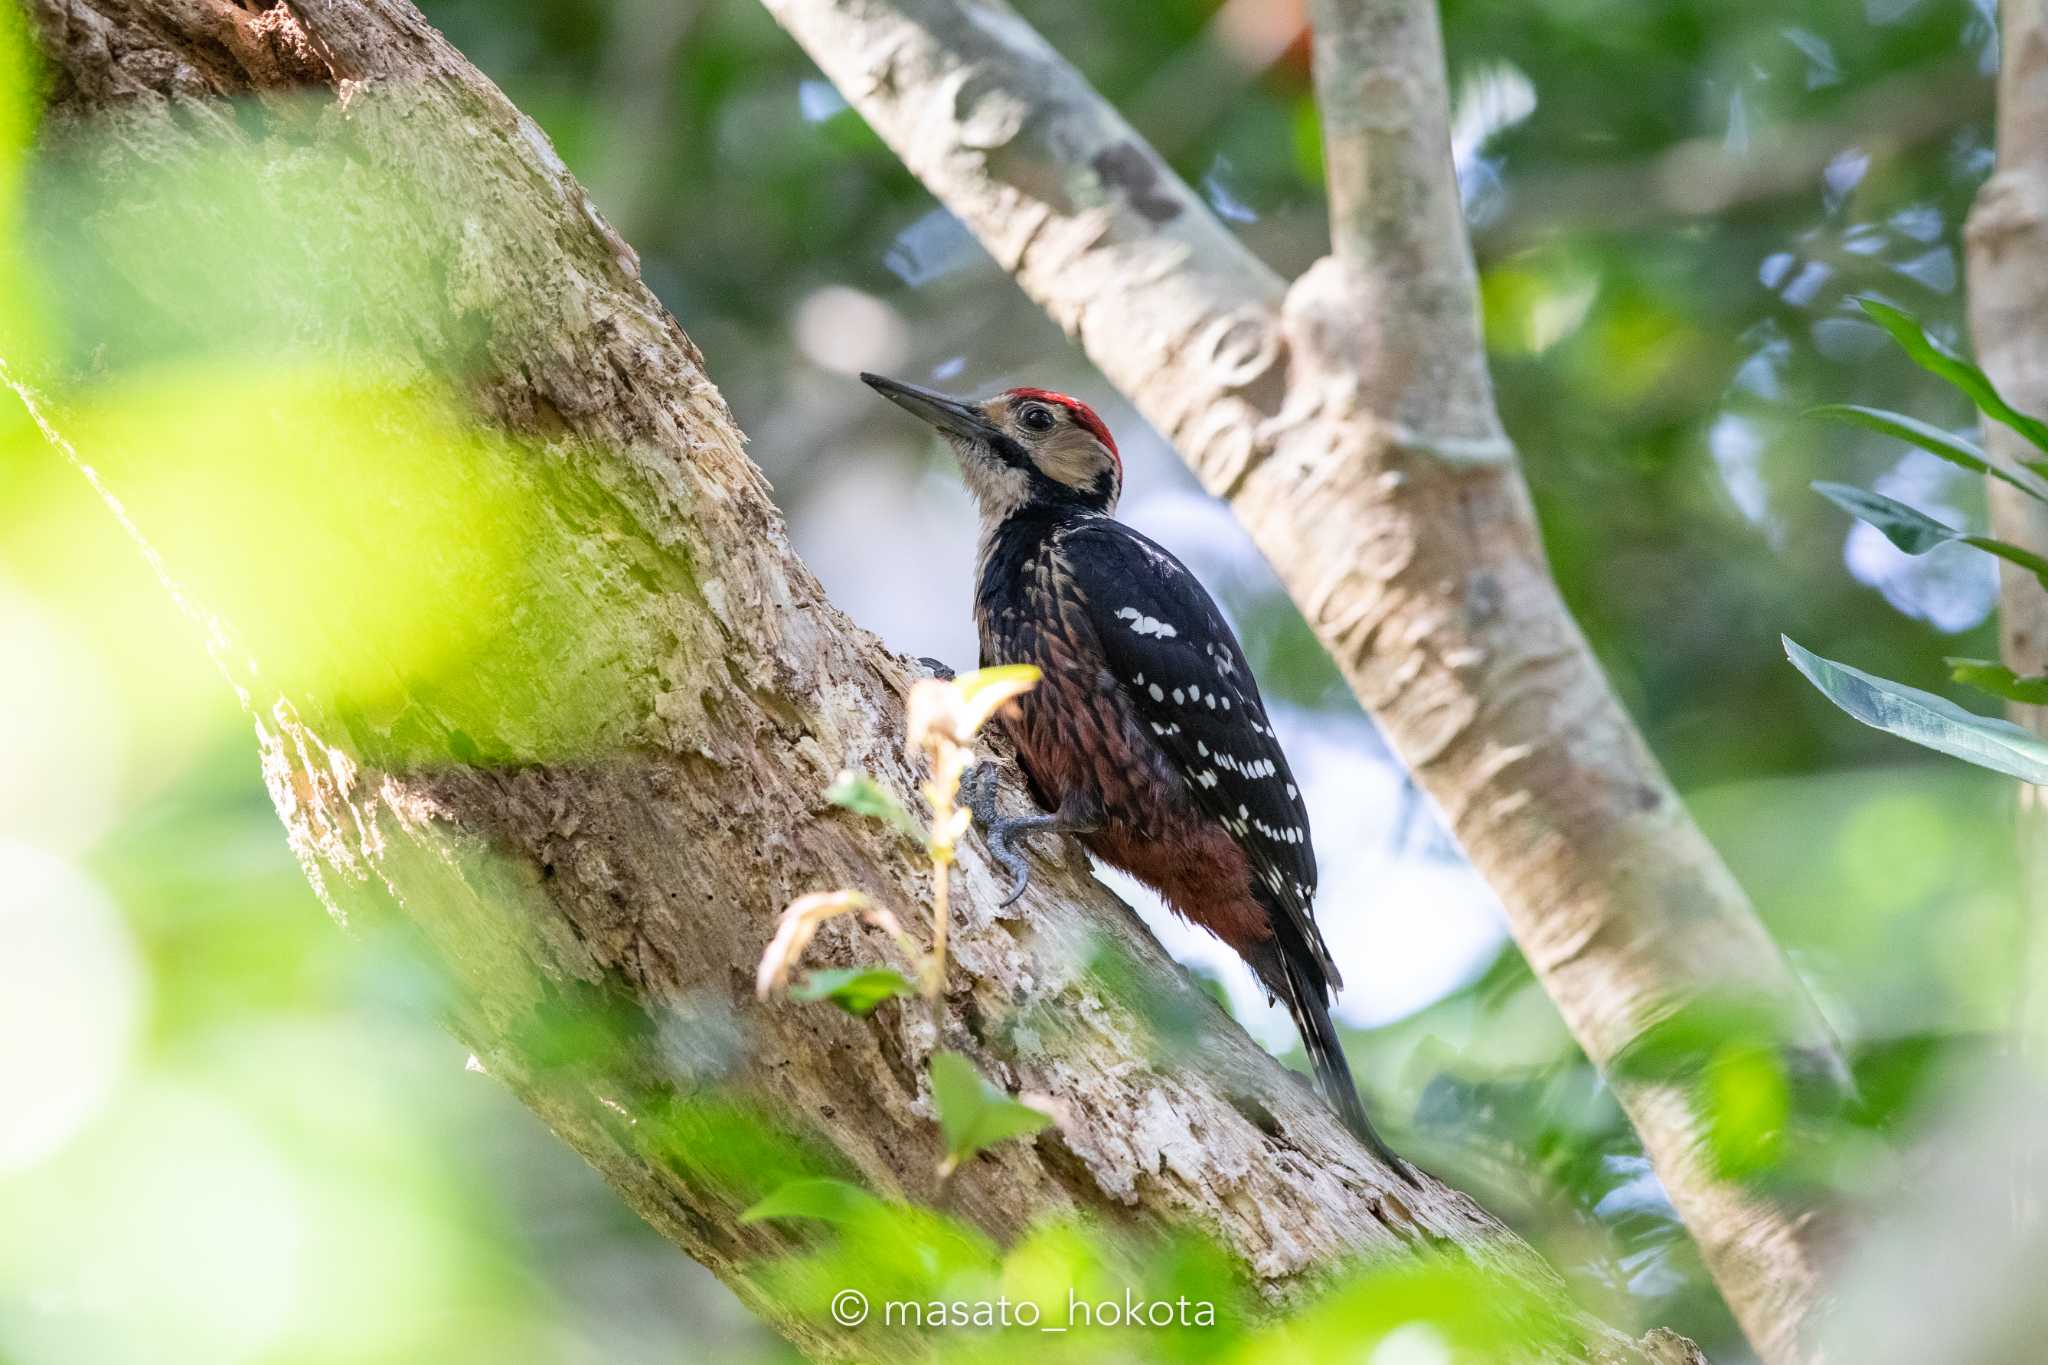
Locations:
{"points": [[863, 795], [974, 1115], [857, 990], [822, 1198]]}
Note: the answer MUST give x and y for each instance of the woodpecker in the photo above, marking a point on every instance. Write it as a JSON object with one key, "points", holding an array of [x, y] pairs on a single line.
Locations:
{"points": [[1145, 737]]}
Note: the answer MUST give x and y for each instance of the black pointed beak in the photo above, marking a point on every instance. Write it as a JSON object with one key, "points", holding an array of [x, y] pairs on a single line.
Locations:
{"points": [[949, 415]]}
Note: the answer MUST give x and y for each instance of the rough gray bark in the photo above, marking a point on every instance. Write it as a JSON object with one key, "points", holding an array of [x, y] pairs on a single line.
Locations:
{"points": [[622, 893], [1348, 418], [2008, 292]]}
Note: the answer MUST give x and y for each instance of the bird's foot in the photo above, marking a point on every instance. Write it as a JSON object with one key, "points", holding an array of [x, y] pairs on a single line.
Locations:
{"points": [[939, 668], [978, 794]]}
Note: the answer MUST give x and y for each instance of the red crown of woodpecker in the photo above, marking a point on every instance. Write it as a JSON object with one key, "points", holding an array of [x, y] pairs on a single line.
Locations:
{"points": [[1083, 414]]}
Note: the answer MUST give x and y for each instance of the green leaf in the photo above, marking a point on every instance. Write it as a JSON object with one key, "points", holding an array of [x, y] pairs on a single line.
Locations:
{"points": [[1916, 533], [1912, 531], [1938, 360], [863, 795], [830, 1201], [1747, 1101], [1925, 719], [1988, 675], [1947, 445], [974, 1115], [1680, 1044], [857, 990]]}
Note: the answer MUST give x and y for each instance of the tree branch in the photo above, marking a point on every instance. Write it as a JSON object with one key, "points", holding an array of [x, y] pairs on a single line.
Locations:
{"points": [[2007, 238], [594, 878], [1396, 222], [1348, 420]]}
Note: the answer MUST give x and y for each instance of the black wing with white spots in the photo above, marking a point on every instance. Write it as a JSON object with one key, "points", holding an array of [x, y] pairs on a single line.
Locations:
{"points": [[1174, 654]]}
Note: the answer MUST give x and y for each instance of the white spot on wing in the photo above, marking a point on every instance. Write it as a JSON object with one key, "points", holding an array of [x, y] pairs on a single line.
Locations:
{"points": [[1146, 625]]}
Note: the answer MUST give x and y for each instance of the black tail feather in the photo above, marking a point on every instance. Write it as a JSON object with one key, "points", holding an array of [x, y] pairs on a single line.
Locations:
{"points": [[1307, 999]]}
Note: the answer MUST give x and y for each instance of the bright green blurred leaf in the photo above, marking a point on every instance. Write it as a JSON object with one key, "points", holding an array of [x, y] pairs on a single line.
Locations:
{"points": [[829, 1201], [732, 1148], [1305, 127], [1680, 1044], [1925, 719], [20, 94], [1056, 1258], [1955, 449], [974, 1115], [857, 990], [887, 1251], [145, 246], [361, 547], [863, 795], [1988, 675], [1419, 1308], [1938, 360], [1747, 1102], [20, 104], [1916, 533], [1176, 1017]]}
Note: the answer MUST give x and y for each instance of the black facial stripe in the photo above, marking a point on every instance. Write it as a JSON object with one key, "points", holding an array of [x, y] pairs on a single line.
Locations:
{"points": [[1011, 453]]}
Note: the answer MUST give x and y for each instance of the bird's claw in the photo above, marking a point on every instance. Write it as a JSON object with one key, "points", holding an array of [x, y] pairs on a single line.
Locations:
{"points": [[940, 669], [1005, 853], [978, 794]]}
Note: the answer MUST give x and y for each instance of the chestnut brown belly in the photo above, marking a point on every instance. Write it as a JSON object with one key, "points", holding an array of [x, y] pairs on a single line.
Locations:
{"points": [[1079, 741]]}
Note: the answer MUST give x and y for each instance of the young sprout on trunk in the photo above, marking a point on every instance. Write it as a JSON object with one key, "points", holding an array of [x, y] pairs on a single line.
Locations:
{"points": [[944, 717]]}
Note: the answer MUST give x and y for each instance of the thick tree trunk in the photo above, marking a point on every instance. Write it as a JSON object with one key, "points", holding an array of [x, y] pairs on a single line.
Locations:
{"points": [[618, 894], [2008, 284], [1349, 420]]}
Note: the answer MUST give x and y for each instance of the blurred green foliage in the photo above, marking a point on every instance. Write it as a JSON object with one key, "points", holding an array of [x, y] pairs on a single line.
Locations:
{"points": [[285, 1160]]}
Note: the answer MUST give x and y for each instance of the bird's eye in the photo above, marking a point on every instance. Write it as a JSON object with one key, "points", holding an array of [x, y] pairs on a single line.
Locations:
{"points": [[1036, 418]]}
